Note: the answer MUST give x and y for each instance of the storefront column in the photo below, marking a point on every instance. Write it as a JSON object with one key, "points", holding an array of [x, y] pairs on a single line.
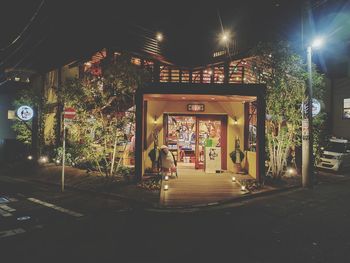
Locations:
{"points": [[260, 144], [139, 135]]}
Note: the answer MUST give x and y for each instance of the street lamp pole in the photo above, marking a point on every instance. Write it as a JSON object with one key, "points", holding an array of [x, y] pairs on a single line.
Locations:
{"points": [[307, 138]]}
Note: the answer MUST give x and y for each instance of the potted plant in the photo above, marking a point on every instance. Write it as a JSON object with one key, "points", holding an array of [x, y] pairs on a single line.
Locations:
{"points": [[237, 157], [154, 156]]}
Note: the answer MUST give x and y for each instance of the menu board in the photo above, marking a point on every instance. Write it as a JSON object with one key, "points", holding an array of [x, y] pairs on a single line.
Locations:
{"points": [[212, 159]]}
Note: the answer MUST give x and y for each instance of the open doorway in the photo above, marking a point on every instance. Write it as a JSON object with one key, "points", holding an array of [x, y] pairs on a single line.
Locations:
{"points": [[189, 138]]}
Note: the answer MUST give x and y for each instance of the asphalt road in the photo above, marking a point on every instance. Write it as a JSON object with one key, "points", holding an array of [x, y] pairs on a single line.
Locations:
{"points": [[45, 225]]}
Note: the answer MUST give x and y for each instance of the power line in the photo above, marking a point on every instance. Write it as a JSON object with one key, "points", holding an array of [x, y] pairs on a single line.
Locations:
{"points": [[26, 27], [15, 51]]}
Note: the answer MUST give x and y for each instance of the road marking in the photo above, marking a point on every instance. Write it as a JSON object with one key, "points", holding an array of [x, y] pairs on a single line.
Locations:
{"points": [[3, 200], [7, 208], [5, 213], [11, 232], [58, 208]]}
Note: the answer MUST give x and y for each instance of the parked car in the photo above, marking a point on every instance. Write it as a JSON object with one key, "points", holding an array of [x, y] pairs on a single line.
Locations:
{"points": [[336, 155]]}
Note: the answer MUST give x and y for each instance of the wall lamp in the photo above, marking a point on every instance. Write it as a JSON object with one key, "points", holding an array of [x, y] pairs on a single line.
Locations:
{"points": [[235, 122]]}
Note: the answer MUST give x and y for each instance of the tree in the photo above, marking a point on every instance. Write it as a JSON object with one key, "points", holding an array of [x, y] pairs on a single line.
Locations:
{"points": [[285, 75], [26, 131], [103, 121]]}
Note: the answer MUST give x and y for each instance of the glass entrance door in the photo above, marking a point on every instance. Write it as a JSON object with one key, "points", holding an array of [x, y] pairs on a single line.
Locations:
{"points": [[209, 135], [181, 137], [187, 137]]}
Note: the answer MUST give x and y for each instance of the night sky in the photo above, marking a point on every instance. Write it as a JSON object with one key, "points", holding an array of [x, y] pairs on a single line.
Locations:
{"points": [[63, 30]]}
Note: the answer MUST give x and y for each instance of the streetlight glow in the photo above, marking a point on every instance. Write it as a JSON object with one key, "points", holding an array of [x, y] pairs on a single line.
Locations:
{"points": [[159, 36], [225, 37], [317, 43]]}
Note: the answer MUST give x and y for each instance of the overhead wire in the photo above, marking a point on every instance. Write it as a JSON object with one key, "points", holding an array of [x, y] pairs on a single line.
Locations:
{"points": [[25, 28]]}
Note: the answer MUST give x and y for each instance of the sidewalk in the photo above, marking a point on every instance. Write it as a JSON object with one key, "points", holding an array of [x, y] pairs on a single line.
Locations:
{"points": [[78, 179], [114, 187]]}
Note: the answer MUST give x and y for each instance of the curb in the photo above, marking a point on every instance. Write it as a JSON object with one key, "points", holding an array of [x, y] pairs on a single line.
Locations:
{"points": [[115, 196], [151, 207], [246, 196], [158, 208]]}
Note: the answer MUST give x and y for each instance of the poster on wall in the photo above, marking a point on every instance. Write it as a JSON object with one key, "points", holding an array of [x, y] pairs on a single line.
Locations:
{"points": [[212, 159], [346, 109]]}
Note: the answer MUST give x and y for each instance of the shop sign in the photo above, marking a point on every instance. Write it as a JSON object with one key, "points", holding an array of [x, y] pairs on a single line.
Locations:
{"points": [[195, 107], [25, 113], [212, 159], [316, 107]]}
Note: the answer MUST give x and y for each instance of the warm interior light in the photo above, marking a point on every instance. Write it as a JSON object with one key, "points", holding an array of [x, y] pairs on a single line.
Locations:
{"points": [[235, 122], [155, 119]]}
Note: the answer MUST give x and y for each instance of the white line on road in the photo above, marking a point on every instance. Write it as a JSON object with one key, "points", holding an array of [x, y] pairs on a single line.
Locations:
{"points": [[61, 209], [5, 213], [11, 232], [7, 208]]}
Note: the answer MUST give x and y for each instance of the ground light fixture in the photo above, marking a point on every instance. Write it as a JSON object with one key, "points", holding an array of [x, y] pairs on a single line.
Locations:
{"points": [[233, 179], [30, 157], [166, 178], [291, 171], [166, 187], [43, 159], [243, 188], [58, 161]]}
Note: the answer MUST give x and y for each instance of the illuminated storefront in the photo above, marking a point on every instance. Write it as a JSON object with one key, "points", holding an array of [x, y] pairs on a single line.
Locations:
{"points": [[200, 124]]}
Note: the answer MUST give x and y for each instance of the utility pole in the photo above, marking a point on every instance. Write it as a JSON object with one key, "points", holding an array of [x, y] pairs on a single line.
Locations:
{"points": [[307, 138]]}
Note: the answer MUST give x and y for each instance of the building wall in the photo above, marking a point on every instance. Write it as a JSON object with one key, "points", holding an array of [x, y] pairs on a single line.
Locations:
{"points": [[54, 80], [231, 109], [341, 90], [6, 132]]}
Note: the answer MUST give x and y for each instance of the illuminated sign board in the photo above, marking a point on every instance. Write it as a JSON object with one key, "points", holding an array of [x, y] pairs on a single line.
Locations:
{"points": [[25, 113], [195, 107]]}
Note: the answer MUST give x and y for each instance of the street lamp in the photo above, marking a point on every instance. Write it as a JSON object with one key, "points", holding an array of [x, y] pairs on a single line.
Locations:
{"points": [[307, 138], [159, 37], [225, 37]]}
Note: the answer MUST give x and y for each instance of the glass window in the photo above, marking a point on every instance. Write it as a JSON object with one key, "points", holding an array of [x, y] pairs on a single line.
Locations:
{"points": [[346, 108]]}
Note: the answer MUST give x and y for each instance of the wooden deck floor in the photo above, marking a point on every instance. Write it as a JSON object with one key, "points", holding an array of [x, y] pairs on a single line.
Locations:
{"points": [[196, 187]]}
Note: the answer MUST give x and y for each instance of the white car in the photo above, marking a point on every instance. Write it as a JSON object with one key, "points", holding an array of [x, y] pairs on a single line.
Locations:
{"points": [[336, 155]]}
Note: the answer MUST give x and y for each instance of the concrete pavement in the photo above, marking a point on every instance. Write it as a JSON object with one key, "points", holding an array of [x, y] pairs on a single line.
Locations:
{"points": [[296, 226]]}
